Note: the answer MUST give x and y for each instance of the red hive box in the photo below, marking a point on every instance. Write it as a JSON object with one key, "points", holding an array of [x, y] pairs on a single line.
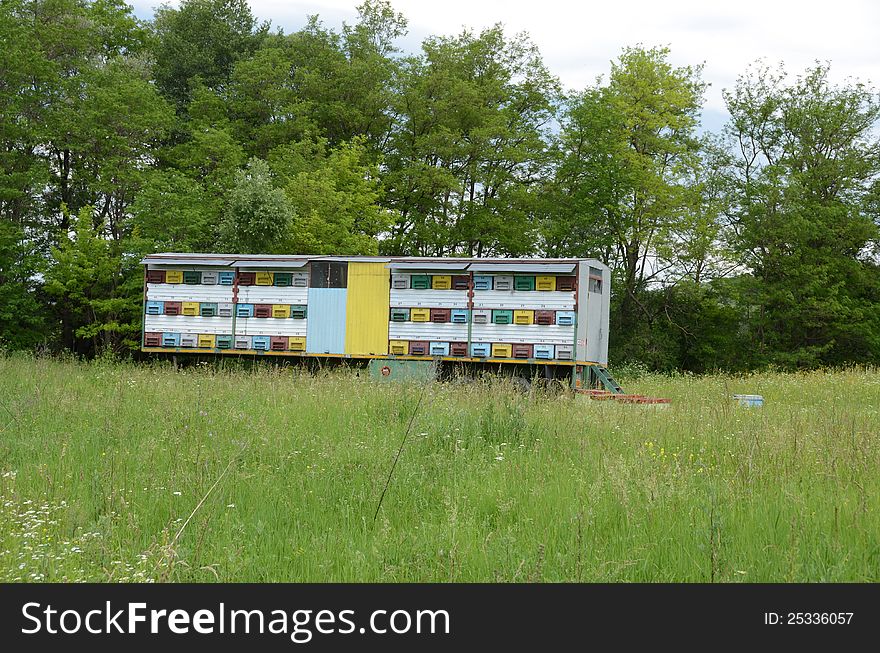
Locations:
{"points": [[461, 282], [565, 283], [458, 349], [172, 308], [247, 278], [278, 343], [418, 348], [440, 315], [262, 310], [522, 351], [155, 276], [152, 340], [545, 317]]}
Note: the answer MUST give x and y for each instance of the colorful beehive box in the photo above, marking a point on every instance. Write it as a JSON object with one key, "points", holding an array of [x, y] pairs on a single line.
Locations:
{"points": [[296, 343], [400, 315], [564, 352], [155, 308], [209, 278], [482, 282], [244, 310], [565, 283], [281, 310], [502, 316], [208, 309], [544, 352], [459, 316], [480, 350], [263, 279], [192, 277], [501, 350], [420, 282], [224, 342], [420, 314], [400, 281], [441, 282], [523, 283], [262, 310], [300, 279], [503, 282], [173, 308], [482, 316], [522, 351], [278, 343], [418, 348], [224, 309], [206, 341], [242, 342], [173, 276], [545, 317], [524, 317], [188, 340], [246, 279], [461, 282], [440, 315], [171, 340], [439, 349], [155, 276], [298, 312], [226, 277], [283, 279], [565, 318], [398, 347], [190, 308], [260, 343], [458, 349], [152, 340], [545, 283]]}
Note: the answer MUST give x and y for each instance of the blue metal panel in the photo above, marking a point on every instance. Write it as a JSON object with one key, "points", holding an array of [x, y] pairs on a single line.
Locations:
{"points": [[544, 351], [261, 343], [325, 333], [460, 316], [479, 349], [244, 310], [226, 277], [155, 308], [171, 340], [439, 349]]}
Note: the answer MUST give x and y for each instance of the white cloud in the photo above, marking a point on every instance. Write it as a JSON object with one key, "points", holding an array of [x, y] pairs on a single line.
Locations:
{"points": [[579, 39]]}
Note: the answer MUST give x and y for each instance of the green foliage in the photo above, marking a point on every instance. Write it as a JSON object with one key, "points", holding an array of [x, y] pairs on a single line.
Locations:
{"points": [[800, 215], [97, 292], [200, 42], [334, 196], [258, 215], [23, 324]]}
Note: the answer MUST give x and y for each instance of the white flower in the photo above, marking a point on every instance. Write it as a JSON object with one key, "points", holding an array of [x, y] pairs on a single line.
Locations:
{"points": [[177, 494]]}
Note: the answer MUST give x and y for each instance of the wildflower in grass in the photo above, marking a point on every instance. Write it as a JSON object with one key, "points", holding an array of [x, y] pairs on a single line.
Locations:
{"points": [[177, 494]]}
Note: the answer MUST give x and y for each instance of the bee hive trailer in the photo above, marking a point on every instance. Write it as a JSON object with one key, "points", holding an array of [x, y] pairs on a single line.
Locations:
{"points": [[546, 317]]}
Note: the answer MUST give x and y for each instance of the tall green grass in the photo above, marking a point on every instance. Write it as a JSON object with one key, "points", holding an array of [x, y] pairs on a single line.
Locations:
{"points": [[103, 467]]}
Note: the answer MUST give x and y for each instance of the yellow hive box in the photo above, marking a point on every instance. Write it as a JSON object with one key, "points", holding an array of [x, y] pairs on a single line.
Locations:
{"points": [[545, 283], [280, 310], [206, 341], [190, 308], [441, 282], [420, 315], [174, 276], [296, 343], [398, 347], [500, 350], [264, 279], [524, 317]]}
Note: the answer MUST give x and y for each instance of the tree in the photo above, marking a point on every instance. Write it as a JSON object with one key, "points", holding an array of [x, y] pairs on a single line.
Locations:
{"points": [[258, 215], [807, 156], [202, 40], [97, 291], [473, 122], [334, 196], [22, 321]]}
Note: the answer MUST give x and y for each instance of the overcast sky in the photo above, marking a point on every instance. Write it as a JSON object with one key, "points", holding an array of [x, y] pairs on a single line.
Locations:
{"points": [[579, 39]]}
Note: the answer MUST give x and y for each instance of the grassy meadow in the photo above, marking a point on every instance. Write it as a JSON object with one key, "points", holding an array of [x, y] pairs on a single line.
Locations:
{"points": [[136, 472]]}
